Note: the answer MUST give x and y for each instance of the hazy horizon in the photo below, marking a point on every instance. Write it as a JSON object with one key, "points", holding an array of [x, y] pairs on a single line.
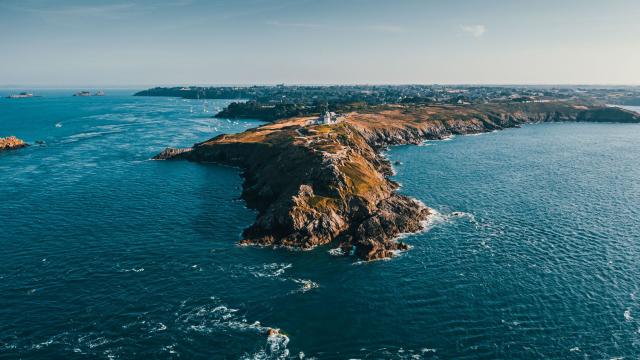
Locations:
{"points": [[168, 85], [190, 42]]}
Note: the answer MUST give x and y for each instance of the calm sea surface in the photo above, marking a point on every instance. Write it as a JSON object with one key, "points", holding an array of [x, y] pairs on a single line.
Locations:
{"points": [[534, 251]]}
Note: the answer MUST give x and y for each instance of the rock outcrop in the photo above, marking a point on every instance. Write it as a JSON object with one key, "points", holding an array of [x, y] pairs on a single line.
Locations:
{"points": [[169, 153], [317, 184], [11, 143]]}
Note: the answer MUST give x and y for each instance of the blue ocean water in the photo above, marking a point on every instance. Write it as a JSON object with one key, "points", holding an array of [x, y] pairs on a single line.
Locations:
{"points": [[533, 251]]}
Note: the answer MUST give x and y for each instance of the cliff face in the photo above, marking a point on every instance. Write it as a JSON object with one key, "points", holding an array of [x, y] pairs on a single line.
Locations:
{"points": [[316, 184], [11, 143]]}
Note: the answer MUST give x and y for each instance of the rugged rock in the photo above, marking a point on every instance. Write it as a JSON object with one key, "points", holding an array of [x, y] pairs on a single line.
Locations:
{"points": [[11, 143], [169, 153], [317, 184]]}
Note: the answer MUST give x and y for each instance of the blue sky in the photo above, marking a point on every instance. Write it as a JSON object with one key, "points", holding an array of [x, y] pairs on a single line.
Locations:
{"points": [[124, 42]]}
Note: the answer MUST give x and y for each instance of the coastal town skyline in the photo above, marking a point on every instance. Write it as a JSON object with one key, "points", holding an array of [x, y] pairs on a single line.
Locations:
{"points": [[130, 43]]}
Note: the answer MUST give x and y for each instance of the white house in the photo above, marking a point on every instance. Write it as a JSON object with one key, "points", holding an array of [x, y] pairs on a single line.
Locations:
{"points": [[328, 118]]}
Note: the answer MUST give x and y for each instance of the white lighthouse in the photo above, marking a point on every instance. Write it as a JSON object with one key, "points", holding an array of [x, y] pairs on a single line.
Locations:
{"points": [[326, 119]]}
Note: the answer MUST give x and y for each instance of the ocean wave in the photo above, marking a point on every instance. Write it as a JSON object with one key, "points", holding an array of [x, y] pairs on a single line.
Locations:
{"points": [[269, 270], [209, 317], [88, 135], [217, 316], [437, 218], [275, 348], [276, 270], [392, 353], [306, 285], [159, 327]]}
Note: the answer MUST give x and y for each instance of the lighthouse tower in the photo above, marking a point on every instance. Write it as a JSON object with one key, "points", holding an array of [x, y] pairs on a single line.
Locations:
{"points": [[326, 119]]}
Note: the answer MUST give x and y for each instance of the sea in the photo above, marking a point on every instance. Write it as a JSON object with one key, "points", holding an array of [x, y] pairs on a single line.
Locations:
{"points": [[532, 251]]}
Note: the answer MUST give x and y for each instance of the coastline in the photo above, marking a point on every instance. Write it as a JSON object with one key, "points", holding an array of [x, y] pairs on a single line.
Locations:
{"points": [[338, 188]]}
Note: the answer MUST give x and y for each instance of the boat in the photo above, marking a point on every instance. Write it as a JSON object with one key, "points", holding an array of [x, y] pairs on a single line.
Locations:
{"points": [[99, 93], [22, 95]]}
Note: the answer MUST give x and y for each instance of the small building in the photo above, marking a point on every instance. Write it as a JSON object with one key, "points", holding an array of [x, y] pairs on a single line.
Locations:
{"points": [[328, 118]]}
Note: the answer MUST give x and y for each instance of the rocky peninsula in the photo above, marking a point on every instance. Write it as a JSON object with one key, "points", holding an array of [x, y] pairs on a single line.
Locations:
{"points": [[314, 184], [11, 143]]}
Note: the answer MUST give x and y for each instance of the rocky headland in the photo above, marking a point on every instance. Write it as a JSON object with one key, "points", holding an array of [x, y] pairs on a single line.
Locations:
{"points": [[317, 184], [11, 143]]}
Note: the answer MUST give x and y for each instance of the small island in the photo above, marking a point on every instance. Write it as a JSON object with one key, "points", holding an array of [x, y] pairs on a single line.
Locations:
{"points": [[337, 188], [11, 143]]}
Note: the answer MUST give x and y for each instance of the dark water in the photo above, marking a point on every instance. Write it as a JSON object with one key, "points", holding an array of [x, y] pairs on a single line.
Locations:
{"points": [[534, 251]]}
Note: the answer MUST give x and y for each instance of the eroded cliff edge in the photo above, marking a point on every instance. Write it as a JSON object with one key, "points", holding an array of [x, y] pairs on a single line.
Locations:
{"points": [[315, 184]]}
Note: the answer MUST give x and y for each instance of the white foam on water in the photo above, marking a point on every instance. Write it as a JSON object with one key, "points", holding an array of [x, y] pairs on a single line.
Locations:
{"points": [[160, 327], [270, 270], [170, 349], [43, 344], [434, 218], [336, 252], [575, 349], [276, 348], [110, 355], [306, 285], [627, 315], [211, 318], [437, 218], [95, 342]]}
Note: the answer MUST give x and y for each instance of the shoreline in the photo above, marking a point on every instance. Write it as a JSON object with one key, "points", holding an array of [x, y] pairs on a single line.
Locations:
{"points": [[338, 187]]}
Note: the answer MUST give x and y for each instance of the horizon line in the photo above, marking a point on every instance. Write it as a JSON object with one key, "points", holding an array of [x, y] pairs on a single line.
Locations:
{"points": [[136, 86]]}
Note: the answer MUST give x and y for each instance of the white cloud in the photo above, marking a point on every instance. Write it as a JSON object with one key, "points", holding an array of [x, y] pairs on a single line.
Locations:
{"points": [[474, 30]]}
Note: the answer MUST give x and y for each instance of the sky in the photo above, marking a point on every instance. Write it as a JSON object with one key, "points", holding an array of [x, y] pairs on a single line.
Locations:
{"points": [[192, 42]]}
